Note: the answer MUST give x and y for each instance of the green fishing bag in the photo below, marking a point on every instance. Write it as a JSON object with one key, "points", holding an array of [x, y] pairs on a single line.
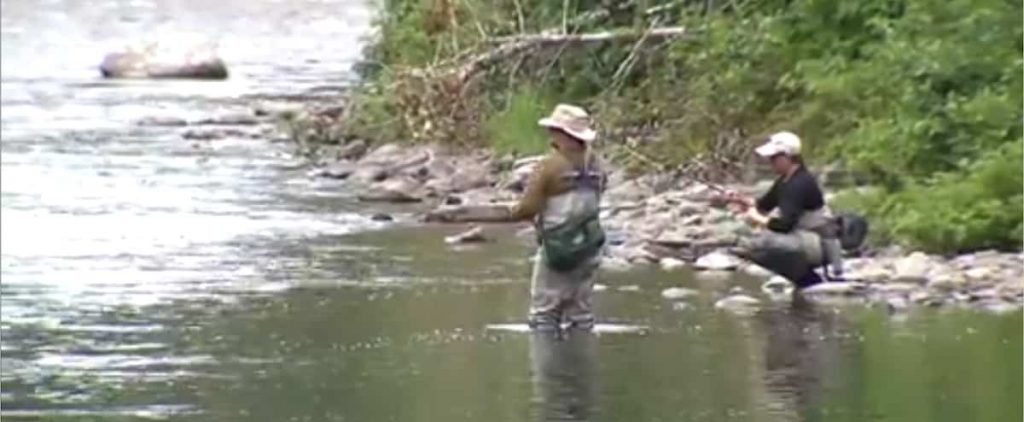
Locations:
{"points": [[573, 242]]}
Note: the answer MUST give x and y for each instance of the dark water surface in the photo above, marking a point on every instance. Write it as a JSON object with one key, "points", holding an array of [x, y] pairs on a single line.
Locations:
{"points": [[146, 278]]}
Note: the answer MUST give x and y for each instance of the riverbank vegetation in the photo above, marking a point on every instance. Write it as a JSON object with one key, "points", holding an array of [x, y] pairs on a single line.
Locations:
{"points": [[920, 98]]}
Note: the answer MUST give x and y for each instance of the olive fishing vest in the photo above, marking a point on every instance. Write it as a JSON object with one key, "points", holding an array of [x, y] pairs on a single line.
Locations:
{"points": [[569, 228]]}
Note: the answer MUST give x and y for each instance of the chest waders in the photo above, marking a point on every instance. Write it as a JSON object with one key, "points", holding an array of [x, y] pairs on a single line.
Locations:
{"points": [[571, 238]]}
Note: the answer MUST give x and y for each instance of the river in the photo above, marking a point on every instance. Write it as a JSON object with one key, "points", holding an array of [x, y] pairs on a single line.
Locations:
{"points": [[149, 277]]}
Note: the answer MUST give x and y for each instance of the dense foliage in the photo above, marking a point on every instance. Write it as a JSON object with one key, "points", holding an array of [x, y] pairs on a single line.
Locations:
{"points": [[922, 97]]}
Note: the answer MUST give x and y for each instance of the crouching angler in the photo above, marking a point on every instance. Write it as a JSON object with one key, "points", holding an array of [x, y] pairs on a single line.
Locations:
{"points": [[800, 233]]}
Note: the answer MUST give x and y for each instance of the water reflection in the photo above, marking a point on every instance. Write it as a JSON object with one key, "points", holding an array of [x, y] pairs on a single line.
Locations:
{"points": [[564, 375], [800, 353]]}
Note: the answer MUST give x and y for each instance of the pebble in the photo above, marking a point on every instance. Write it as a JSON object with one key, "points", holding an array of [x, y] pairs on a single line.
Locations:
{"points": [[948, 281], [979, 274], [672, 264]]}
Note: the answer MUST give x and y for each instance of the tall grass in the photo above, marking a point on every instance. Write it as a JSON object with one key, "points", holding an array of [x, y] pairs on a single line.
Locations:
{"points": [[513, 128]]}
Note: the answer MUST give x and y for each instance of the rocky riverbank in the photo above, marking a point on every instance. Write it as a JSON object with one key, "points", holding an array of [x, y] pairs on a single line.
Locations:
{"points": [[652, 220]]}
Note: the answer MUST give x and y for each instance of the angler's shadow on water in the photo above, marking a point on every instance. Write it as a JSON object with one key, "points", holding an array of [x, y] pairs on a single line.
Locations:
{"points": [[801, 354], [564, 376]]}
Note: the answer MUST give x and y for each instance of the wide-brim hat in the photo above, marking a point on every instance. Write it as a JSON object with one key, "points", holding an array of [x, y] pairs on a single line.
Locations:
{"points": [[572, 120]]}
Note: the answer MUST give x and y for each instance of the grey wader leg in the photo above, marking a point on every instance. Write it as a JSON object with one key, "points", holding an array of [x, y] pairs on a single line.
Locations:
{"points": [[554, 295], [833, 252], [785, 254], [579, 308]]}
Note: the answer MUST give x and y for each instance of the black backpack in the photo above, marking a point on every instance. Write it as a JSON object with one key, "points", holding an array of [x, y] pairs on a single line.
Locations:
{"points": [[853, 230]]}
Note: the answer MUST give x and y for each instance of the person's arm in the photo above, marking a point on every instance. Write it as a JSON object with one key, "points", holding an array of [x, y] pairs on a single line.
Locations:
{"points": [[767, 202], [532, 201]]}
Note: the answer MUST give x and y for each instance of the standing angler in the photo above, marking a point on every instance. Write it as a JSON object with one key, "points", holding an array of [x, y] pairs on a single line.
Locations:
{"points": [[803, 235], [563, 198]]}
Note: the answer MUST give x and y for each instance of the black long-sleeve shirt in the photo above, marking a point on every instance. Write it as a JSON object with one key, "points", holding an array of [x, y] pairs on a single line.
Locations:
{"points": [[793, 197]]}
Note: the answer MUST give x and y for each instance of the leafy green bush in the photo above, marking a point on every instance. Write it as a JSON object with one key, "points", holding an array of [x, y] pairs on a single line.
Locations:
{"points": [[980, 207], [922, 97]]}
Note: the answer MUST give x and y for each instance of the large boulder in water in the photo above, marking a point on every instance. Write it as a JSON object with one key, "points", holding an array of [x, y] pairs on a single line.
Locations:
{"points": [[155, 62]]}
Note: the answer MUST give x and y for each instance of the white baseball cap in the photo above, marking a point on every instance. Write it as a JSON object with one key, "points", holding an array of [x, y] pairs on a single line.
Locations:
{"points": [[780, 143]]}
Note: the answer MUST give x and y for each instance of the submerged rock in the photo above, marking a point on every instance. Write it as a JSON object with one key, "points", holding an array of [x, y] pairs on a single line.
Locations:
{"points": [[1000, 307], [678, 293], [714, 275], [738, 303], [681, 306], [835, 289], [473, 235], [382, 217], [777, 286], [672, 264], [717, 260], [756, 271]]}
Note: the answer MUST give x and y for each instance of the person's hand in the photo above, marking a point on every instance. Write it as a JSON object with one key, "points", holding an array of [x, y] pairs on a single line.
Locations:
{"points": [[755, 218], [743, 202]]}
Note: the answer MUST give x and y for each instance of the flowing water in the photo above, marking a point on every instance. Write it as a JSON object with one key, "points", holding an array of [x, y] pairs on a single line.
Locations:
{"points": [[148, 277]]}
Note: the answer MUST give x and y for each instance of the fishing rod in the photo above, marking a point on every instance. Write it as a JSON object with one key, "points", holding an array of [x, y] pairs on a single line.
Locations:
{"points": [[676, 171]]}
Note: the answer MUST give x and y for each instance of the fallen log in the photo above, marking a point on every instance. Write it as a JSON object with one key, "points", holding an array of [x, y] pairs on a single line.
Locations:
{"points": [[522, 43]]}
